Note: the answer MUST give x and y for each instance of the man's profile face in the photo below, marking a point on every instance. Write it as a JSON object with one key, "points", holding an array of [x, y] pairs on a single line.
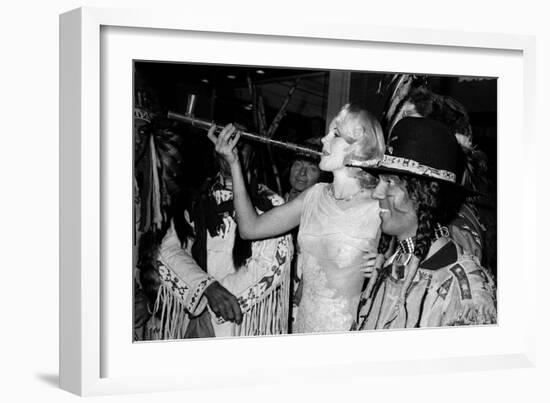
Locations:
{"points": [[397, 209], [303, 174]]}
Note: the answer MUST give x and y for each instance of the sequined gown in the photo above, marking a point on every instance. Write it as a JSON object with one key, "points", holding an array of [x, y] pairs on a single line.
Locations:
{"points": [[332, 243]]}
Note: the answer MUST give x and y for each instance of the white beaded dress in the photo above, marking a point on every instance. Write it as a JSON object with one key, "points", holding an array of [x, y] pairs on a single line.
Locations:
{"points": [[332, 243]]}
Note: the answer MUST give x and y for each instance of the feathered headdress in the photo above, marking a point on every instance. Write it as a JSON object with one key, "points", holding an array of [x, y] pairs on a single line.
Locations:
{"points": [[409, 95]]}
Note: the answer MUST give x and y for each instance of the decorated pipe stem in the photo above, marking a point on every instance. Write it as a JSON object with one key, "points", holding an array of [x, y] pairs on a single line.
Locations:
{"points": [[206, 125]]}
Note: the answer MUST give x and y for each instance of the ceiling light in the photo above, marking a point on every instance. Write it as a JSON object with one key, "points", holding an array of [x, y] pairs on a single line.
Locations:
{"points": [[260, 72], [205, 80], [231, 76]]}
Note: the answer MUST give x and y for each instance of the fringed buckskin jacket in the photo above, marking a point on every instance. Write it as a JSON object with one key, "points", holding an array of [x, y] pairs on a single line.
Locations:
{"points": [[261, 283]]}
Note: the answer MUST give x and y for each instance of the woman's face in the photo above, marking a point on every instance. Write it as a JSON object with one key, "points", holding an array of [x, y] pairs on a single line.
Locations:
{"points": [[334, 149], [303, 174], [397, 209]]}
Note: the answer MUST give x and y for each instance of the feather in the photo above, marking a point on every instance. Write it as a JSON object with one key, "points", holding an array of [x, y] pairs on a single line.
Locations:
{"points": [[405, 89]]}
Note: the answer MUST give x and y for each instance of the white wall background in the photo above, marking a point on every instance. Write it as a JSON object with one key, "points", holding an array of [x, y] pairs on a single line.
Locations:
{"points": [[29, 202]]}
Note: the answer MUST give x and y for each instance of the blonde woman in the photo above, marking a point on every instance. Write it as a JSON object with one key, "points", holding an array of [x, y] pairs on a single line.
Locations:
{"points": [[339, 222]]}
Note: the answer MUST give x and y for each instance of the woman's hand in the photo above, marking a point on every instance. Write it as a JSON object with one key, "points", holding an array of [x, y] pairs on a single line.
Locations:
{"points": [[225, 143], [371, 261]]}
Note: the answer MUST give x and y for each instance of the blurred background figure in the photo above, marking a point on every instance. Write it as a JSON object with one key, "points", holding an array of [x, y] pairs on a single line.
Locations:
{"points": [[304, 171]]}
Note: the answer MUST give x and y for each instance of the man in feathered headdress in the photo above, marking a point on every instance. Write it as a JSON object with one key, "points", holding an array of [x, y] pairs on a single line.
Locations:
{"points": [[412, 98], [213, 283]]}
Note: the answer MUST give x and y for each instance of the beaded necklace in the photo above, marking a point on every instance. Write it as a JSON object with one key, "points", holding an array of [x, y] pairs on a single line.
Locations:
{"points": [[406, 246], [344, 199]]}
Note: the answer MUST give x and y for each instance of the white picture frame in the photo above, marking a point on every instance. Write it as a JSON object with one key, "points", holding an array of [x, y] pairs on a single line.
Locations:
{"points": [[96, 357]]}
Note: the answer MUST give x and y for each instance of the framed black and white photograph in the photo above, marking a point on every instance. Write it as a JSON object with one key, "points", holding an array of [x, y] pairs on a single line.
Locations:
{"points": [[296, 201], [197, 277]]}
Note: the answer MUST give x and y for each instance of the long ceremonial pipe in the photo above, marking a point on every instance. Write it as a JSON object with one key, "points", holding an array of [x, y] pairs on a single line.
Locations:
{"points": [[206, 125]]}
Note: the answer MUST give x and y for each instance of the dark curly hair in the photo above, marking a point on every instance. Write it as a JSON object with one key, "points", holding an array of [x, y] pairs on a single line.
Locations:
{"points": [[435, 203], [426, 196]]}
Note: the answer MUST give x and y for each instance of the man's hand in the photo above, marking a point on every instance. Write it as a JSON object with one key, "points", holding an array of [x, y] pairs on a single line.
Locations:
{"points": [[223, 303]]}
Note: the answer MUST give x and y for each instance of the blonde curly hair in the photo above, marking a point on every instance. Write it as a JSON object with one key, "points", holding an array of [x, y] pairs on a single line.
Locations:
{"points": [[362, 131]]}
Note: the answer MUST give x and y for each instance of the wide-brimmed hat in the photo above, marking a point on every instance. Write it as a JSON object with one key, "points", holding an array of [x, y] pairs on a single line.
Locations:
{"points": [[420, 147]]}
